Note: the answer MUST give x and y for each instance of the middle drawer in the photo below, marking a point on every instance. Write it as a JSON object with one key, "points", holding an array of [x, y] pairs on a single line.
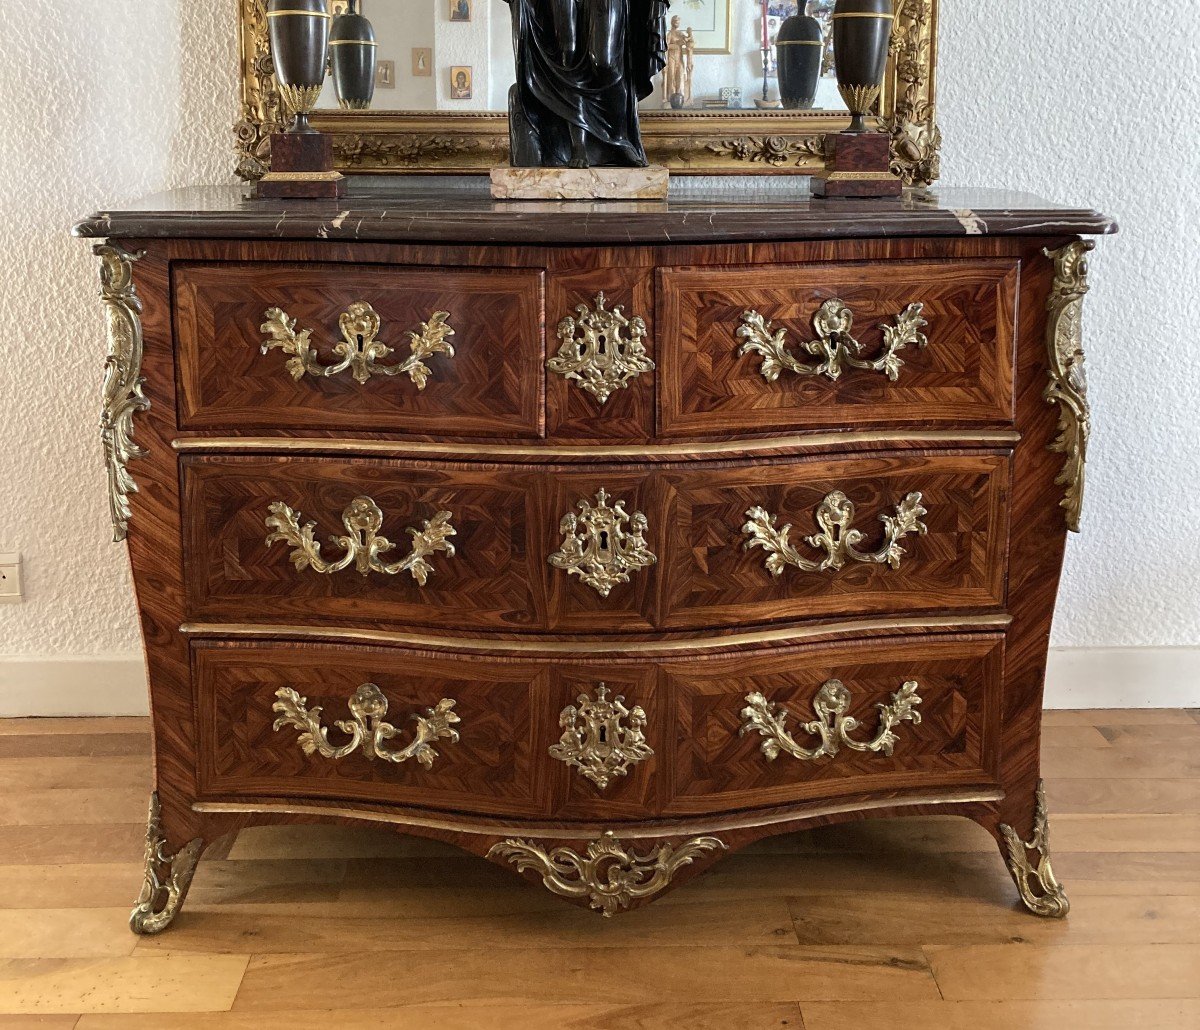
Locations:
{"points": [[360, 543]]}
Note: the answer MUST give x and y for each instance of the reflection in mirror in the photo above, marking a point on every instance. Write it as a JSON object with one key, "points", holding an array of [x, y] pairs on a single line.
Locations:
{"points": [[457, 55]]}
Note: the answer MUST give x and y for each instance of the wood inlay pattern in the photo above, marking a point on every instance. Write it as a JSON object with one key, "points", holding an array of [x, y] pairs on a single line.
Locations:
{"points": [[508, 448]]}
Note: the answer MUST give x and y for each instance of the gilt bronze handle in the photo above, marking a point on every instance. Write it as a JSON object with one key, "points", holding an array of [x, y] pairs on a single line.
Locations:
{"points": [[363, 545], [361, 351], [832, 725], [838, 538], [835, 345], [367, 729]]}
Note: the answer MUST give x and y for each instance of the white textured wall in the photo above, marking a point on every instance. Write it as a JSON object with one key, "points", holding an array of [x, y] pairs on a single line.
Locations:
{"points": [[104, 102], [1079, 102]]}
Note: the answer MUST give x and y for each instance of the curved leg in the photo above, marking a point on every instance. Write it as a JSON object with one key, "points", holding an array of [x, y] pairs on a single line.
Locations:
{"points": [[1039, 888], [168, 877]]}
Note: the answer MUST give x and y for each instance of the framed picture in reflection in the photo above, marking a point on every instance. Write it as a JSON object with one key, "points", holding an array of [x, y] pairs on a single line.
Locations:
{"points": [[460, 82], [460, 10], [711, 22]]}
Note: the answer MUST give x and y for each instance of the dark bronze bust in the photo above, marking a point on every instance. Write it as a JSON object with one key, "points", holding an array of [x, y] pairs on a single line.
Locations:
{"points": [[582, 67]]}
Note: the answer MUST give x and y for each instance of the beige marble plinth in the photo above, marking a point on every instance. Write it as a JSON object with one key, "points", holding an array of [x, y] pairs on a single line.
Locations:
{"points": [[579, 183]]}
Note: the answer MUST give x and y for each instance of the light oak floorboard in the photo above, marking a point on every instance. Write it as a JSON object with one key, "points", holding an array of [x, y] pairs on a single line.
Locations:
{"points": [[85, 805], [1073, 736], [878, 919], [168, 983], [653, 976], [38, 1022], [1124, 797], [127, 771], [65, 933], [478, 1016], [39, 845], [1083, 972], [759, 921], [1151, 1014], [82, 885], [75, 745], [1121, 762], [1115, 717], [58, 727]]}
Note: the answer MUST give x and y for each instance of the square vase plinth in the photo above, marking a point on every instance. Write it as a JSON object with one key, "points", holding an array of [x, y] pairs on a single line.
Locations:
{"points": [[857, 165], [580, 183], [302, 168]]}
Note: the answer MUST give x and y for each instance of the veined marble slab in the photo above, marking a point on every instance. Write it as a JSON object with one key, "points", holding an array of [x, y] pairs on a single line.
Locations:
{"points": [[580, 183]]}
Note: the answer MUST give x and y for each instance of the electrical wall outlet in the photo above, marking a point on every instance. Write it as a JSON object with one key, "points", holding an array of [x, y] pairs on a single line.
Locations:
{"points": [[10, 578]]}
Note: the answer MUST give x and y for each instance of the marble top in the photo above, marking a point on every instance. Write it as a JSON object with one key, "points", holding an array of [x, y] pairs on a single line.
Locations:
{"points": [[463, 211]]}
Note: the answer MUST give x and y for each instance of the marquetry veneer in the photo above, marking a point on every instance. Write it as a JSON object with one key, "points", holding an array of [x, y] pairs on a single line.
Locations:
{"points": [[639, 552]]}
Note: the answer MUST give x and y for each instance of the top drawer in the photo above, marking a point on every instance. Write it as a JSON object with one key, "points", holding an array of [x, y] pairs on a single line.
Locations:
{"points": [[483, 377], [806, 347]]}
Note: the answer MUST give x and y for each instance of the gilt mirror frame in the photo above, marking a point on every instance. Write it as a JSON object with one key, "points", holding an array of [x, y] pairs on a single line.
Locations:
{"points": [[453, 143]]}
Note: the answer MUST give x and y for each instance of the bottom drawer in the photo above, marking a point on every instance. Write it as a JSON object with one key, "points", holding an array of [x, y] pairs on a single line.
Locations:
{"points": [[615, 738]]}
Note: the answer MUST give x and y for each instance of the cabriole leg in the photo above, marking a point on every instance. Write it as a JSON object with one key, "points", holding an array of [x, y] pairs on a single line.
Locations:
{"points": [[168, 877], [1040, 890]]}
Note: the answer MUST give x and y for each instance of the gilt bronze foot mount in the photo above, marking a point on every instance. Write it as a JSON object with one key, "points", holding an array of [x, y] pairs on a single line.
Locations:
{"points": [[168, 877], [1040, 890]]}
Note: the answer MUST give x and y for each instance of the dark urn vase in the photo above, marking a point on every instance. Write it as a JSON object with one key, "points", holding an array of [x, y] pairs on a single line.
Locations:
{"points": [[862, 30], [299, 34], [799, 47], [352, 55]]}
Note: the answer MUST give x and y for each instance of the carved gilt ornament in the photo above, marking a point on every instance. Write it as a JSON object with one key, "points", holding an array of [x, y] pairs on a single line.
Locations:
{"points": [[727, 143], [360, 350], [1039, 888], [609, 875], [167, 877], [363, 546], [601, 350], [602, 738], [838, 539], [1068, 380], [121, 396], [603, 544], [832, 725], [835, 344], [367, 728]]}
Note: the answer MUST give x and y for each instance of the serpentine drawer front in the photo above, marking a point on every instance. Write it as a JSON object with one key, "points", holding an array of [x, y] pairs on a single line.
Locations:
{"points": [[361, 543], [393, 349], [592, 739], [251, 745], [599, 544], [817, 346]]}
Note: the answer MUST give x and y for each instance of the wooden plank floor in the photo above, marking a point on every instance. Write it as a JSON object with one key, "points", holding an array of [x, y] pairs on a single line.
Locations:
{"points": [[901, 924]]}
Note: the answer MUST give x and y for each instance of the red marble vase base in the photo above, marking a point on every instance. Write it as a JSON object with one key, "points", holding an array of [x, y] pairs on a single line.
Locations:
{"points": [[857, 165]]}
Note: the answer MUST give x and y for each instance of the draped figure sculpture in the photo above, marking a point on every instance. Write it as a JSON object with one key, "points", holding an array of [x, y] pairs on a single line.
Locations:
{"points": [[582, 67]]}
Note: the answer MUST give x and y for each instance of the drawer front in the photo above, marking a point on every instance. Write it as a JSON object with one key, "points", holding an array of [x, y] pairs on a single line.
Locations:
{"points": [[784, 348], [475, 369], [608, 739], [940, 698], [361, 543], [484, 575], [257, 703], [736, 561]]}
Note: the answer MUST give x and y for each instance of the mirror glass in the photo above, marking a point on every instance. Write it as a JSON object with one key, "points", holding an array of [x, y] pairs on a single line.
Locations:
{"points": [[456, 55]]}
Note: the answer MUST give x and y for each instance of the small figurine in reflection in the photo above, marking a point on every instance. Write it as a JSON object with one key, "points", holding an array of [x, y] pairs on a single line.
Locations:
{"points": [[582, 66], [460, 83], [677, 79]]}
